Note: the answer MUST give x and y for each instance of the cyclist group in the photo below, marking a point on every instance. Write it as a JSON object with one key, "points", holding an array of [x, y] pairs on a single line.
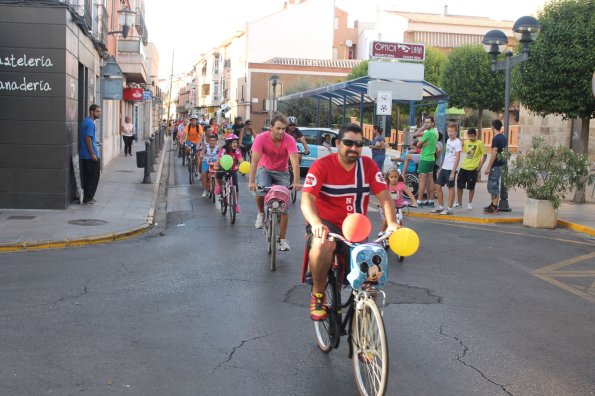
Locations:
{"points": [[336, 185]]}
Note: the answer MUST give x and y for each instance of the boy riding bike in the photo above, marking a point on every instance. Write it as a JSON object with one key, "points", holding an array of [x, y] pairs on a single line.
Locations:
{"points": [[335, 186]]}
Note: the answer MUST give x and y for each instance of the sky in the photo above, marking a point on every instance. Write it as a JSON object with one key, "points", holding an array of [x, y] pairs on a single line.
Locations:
{"points": [[193, 27]]}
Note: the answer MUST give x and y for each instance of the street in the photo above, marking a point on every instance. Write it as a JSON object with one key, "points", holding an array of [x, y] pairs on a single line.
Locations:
{"points": [[191, 308]]}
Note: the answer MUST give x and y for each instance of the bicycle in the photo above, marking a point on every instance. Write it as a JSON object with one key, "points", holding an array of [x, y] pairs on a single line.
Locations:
{"points": [[191, 161], [276, 203], [293, 192], [228, 197], [362, 322], [212, 181], [401, 212]]}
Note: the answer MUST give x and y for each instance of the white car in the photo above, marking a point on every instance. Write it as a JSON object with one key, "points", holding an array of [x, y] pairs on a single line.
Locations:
{"points": [[315, 138]]}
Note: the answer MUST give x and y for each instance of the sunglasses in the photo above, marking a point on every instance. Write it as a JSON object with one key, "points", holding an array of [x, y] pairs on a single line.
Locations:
{"points": [[351, 143]]}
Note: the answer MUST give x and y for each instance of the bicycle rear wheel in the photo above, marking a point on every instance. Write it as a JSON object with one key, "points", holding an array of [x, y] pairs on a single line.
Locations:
{"points": [[370, 349], [328, 331], [274, 222], [223, 198], [412, 183], [190, 169], [232, 204], [212, 195]]}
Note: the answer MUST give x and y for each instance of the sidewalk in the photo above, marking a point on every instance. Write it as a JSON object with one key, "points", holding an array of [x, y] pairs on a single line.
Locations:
{"points": [[125, 209]]}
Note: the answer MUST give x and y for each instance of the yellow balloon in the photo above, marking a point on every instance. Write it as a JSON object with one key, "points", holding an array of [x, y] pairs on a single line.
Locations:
{"points": [[404, 242], [244, 167]]}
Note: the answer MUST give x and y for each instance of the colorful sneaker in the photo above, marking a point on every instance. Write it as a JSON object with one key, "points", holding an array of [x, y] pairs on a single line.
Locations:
{"points": [[259, 220], [447, 211], [237, 208], [491, 209], [217, 189], [457, 205], [422, 203], [283, 245], [437, 210], [318, 306], [430, 204], [469, 206]]}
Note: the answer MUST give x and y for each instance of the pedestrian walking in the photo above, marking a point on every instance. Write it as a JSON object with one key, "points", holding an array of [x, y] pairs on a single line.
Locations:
{"points": [[127, 132], [89, 154]]}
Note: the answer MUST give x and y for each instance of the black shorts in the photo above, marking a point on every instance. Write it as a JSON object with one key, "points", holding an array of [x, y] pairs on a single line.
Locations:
{"points": [[444, 178], [340, 247], [435, 172], [467, 179], [234, 177]]}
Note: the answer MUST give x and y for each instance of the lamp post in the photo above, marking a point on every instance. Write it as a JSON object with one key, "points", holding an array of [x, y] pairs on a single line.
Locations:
{"points": [[273, 81], [125, 19], [525, 29]]}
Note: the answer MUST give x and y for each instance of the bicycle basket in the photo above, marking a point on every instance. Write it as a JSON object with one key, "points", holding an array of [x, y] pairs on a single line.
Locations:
{"points": [[369, 264], [280, 194]]}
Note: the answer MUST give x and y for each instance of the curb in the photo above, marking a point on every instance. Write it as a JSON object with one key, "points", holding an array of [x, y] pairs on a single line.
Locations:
{"points": [[96, 239], [577, 227], [464, 219]]}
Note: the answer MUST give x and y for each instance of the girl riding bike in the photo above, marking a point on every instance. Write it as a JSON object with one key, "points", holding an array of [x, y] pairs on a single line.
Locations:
{"points": [[396, 188], [230, 148]]}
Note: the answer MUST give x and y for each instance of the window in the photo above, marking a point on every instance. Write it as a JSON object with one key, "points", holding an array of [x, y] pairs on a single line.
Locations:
{"points": [[336, 23], [311, 136], [335, 53], [216, 88]]}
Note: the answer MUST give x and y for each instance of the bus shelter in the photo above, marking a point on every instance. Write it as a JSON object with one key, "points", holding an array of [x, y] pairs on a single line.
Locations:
{"points": [[354, 93]]}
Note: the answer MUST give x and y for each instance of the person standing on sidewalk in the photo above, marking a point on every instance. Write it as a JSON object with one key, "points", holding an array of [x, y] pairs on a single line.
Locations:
{"points": [[427, 160], [475, 156], [89, 154], [448, 170], [127, 132], [378, 147], [494, 168]]}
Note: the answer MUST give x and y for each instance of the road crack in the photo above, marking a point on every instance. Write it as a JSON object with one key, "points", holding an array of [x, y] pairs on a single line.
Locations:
{"points": [[62, 299], [244, 342], [460, 359]]}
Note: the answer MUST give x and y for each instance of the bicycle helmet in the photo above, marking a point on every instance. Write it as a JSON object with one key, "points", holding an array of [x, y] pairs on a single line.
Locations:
{"points": [[292, 120], [193, 117], [231, 136]]}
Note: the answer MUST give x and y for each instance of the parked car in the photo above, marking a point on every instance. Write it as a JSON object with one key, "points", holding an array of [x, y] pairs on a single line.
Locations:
{"points": [[315, 138]]}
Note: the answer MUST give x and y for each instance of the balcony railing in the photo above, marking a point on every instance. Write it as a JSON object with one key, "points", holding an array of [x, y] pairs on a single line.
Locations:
{"points": [[82, 8], [102, 30], [141, 27], [131, 45]]}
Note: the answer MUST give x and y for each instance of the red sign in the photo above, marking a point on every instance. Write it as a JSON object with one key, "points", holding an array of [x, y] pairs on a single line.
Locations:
{"points": [[405, 51], [133, 94]]}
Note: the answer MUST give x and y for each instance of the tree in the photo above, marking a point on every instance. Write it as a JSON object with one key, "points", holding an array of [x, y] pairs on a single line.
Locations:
{"points": [[304, 109], [360, 70], [433, 65], [468, 79], [556, 79]]}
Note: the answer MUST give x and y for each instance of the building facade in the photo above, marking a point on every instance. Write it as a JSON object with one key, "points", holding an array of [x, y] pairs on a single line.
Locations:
{"points": [[53, 56]]}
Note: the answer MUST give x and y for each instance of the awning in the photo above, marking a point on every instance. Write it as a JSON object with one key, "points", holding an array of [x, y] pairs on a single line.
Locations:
{"points": [[350, 92]]}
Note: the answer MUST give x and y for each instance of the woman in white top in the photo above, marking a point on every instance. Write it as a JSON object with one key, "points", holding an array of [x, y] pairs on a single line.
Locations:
{"points": [[127, 132]]}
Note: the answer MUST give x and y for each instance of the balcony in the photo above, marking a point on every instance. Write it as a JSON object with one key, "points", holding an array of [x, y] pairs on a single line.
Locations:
{"points": [[102, 30], [141, 27], [132, 61]]}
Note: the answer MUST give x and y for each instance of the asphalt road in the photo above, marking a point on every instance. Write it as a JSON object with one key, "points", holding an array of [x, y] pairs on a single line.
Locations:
{"points": [[191, 308]]}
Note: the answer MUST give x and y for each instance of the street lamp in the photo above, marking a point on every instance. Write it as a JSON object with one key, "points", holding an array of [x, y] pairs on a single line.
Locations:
{"points": [[525, 29], [125, 19], [273, 81]]}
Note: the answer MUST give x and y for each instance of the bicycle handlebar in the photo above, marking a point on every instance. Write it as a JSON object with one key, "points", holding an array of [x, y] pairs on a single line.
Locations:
{"points": [[353, 244], [266, 189]]}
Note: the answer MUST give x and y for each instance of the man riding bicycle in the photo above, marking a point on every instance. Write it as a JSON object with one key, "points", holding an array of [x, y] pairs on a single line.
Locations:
{"points": [[270, 152], [295, 132], [337, 185], [193, 135]]}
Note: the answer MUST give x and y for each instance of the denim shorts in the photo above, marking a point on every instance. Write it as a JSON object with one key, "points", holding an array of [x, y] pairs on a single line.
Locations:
{"points": [[444, 178], [266, 178], [494, 181]]}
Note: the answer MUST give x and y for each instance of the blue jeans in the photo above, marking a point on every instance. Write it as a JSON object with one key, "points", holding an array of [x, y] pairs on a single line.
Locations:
{"points": [[379, 159]]}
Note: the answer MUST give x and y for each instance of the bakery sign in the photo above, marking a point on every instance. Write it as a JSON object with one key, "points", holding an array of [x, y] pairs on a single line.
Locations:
{"points": [[133, 94]]}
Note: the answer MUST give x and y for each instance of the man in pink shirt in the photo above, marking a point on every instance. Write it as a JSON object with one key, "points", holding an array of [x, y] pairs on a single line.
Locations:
{"points": [[270, 152]]}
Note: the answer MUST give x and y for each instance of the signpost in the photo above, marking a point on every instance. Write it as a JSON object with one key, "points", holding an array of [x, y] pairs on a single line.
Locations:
{"points": [[404, 91], [404, 51]]}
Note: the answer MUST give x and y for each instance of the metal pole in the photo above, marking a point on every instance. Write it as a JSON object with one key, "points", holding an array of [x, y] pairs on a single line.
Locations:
{"points": [[361, 111], [318, 112], [171, 76], [344, 108], [330, 106], [147, 176], [152, 151], [411, 113], [157, 144], [503, 205]]}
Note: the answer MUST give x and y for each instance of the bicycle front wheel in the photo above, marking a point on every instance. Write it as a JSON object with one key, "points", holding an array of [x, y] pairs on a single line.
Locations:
{"points": [[327, 331], [190, 169], [370, 349], [232, 204], [223, 198], [212, 195], [274, 224]]}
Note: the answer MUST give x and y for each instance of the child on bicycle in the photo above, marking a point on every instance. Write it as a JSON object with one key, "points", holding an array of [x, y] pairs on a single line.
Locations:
{"points": [[209, 156], [230, 148], [396, 188]]}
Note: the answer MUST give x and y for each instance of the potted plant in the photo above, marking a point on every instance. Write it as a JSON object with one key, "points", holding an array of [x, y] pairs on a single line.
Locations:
{"points": [[547, 173]]}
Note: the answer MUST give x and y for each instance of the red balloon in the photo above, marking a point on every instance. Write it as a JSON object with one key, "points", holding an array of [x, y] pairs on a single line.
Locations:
{"points": [[356, 227]]}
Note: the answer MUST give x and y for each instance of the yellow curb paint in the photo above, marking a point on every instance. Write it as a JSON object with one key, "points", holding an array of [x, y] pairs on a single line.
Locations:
{"points": [[463, 219], [577, 227], [94, 240]]}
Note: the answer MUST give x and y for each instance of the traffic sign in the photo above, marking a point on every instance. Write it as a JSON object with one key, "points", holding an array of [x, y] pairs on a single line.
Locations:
{"points": [[404, 51]]}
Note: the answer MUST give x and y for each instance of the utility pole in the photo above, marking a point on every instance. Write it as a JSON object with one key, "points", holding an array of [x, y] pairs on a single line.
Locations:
{"points": [[171, 76]]}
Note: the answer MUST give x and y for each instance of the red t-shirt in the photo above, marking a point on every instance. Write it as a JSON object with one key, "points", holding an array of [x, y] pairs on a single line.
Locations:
{"points": [[339, 192]]}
